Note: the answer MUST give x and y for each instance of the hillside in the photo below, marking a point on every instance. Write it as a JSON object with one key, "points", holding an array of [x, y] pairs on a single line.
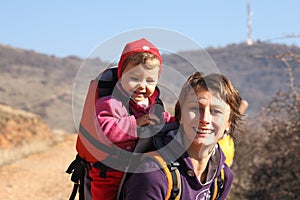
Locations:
{"points": [[43, 84], [257, 71], [33, 158], [23, 133], [40, 175], [40, 84], [36, 100]]}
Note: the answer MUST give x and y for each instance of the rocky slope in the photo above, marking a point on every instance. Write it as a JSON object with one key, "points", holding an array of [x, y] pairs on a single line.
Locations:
{"points": [[22, 133], [33, 158]]}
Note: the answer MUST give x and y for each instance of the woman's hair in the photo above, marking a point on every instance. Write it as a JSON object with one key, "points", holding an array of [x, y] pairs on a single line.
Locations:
{"points": [[142, 58], [217, 84]]}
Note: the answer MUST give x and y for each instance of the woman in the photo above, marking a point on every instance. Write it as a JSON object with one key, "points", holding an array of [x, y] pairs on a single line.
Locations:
{"points": [[207, 109]]}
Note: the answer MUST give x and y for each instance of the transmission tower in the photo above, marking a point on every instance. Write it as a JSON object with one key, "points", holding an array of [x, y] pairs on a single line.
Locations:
{"points": [[249, 23]]}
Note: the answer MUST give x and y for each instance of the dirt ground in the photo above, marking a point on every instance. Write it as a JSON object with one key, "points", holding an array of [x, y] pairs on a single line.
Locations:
{"points": [[40, 176]]}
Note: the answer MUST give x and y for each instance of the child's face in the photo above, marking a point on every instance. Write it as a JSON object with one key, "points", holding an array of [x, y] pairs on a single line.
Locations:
{"points": [[139, 81], [204, 117]]}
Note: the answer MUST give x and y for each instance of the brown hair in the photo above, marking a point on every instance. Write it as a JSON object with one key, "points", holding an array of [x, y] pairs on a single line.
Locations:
{"points": [[142, 58], [218, 84]]}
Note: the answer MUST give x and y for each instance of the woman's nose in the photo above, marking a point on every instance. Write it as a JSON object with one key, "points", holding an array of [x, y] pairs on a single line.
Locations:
{"points": [[205, 117]]}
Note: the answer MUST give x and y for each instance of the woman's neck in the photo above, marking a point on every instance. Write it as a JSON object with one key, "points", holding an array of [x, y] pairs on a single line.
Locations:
{"points": [[200, 168], [200, 157]]}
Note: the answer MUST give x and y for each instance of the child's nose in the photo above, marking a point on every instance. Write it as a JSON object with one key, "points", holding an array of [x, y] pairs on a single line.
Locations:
{"points": [[142, 84]]}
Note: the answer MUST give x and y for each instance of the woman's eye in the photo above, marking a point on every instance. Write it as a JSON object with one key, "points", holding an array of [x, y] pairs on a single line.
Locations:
{"points": [[194, 108], [216, 111]]}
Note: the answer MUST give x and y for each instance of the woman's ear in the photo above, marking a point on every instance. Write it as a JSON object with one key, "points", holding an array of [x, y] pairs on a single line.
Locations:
{"points": [[243, 106], [180, 121], [226, 132]]}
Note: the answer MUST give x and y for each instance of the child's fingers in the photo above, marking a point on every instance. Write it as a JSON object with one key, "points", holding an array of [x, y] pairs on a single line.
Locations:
{"points": [[148, 119], [154, 119]]}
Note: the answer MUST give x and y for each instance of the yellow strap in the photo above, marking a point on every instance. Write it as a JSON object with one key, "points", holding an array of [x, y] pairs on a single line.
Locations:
{"points": [[178, 184], [222, 174], [216, 189], [167, 172]]}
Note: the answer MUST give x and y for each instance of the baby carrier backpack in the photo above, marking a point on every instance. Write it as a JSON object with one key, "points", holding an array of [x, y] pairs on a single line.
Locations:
{"points": [[90, 147]]}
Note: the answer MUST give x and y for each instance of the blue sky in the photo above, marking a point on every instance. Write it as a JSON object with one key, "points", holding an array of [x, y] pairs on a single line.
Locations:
{"points": [[64, 28]]}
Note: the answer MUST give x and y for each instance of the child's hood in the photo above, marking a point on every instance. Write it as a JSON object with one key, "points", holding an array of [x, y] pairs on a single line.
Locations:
{"points": [[141, 45]]}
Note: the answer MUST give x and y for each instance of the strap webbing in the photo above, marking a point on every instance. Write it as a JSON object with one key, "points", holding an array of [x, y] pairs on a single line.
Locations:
{"points": [[172, 174], [218, 185], [77, 169]]}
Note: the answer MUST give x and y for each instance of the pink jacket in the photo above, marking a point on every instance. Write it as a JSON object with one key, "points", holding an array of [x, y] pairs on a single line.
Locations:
{"points": [[117, 124]]}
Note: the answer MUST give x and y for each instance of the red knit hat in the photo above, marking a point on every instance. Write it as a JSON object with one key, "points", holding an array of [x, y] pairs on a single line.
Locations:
{"points": [[141, 45]]}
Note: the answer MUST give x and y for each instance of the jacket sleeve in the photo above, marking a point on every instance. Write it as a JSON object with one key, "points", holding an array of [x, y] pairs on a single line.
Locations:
{"points": [[117, 125], [167, 117], [148, 185]]}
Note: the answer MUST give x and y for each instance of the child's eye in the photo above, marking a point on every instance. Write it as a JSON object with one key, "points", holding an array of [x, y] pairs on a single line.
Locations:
{"points": [[151, 82], [134, 79]]}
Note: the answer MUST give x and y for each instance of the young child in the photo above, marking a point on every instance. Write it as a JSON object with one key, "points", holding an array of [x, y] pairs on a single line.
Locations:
{"points": [[133, 104]]}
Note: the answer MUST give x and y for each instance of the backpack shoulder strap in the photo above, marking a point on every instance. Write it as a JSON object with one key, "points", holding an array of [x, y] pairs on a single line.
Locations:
{"points": [[148, 144], [172, 174], [107, 81]]}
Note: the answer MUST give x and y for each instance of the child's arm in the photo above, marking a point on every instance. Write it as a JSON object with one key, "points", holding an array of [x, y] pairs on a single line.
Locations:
{"points": [[167, 117], [114, 120]]}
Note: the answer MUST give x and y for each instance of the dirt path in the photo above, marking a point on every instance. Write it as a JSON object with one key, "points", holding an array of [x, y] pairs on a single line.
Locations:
{"points": [[39, 176]]}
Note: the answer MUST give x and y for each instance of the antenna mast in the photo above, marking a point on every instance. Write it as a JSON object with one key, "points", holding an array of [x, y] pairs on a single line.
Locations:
{"points": [[249, 23]]}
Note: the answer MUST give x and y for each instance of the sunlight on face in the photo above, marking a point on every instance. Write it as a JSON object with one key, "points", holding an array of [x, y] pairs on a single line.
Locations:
{"points": [[205, 117]]}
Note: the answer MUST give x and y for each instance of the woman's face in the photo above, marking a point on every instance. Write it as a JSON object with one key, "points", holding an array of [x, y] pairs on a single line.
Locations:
{"points": [[204, 117]]}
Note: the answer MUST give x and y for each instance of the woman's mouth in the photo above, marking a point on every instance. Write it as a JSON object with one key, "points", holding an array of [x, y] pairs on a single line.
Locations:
{"points": [[203, 131]]}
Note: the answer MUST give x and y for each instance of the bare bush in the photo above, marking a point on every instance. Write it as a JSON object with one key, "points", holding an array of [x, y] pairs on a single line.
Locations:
{"points": [[267, 164]]}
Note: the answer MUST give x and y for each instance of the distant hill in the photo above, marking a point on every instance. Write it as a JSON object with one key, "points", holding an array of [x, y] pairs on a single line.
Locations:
{"points": [[40, 84], [43, 84], [254, 69]]}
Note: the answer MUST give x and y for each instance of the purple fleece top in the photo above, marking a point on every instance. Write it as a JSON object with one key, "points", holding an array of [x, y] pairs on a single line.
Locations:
{"points": [[153, 185]]}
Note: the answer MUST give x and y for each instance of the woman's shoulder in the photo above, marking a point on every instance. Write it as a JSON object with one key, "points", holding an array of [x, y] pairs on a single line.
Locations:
{"points": [[146, 181]]}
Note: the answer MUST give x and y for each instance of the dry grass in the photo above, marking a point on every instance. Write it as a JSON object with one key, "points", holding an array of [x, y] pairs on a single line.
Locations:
{"points": [[9, 155]]}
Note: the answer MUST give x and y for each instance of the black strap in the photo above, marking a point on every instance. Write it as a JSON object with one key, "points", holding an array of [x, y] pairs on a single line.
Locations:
{"points": [[103, 169], [220, 184], [74, 191], [217, 186], [173, 167], [77, 168], [107, 81]]}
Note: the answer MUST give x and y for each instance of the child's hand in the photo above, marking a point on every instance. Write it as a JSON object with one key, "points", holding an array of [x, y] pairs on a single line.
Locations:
{"points": [[148, 119]]}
